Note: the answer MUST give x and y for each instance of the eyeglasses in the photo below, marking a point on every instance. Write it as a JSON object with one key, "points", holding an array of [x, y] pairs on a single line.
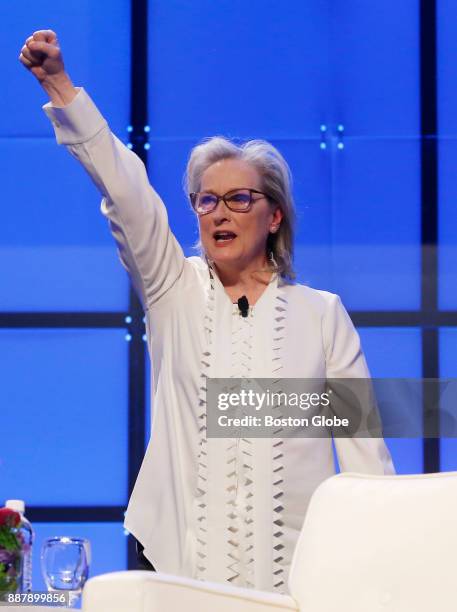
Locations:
{"points": [[238, 200]]}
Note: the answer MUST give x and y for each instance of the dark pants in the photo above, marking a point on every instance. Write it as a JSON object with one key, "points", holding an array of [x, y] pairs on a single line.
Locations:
{"points": [[143, 563]]}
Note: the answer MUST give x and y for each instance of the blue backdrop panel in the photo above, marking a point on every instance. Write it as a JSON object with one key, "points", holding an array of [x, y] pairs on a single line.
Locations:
{"points": [[56, 249], [448, 369], [376, 224], [249, 69], [166, 166], [108, 546], [310, 167], [396, 353], [375, 67], [447, 256], [392, 352], [95, 40], [446, 61], [66, 390]]}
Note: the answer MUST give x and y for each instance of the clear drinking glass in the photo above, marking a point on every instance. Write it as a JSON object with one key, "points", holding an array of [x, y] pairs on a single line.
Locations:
{"points": [[65, 565]]}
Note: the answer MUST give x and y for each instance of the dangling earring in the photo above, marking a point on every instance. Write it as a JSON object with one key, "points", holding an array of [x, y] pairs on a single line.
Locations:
{"points": [[274, 229]]}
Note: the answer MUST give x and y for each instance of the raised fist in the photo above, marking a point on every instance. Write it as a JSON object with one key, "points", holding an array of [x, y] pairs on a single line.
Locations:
{"points": [[42, 56]]}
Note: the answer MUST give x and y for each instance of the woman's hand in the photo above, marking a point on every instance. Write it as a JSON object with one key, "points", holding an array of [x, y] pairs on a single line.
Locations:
{"points": [[41, 55]]}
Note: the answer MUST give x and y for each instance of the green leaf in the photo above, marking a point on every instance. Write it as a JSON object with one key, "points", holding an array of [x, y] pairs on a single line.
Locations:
{"points": [[8, 540], [7, 585]]}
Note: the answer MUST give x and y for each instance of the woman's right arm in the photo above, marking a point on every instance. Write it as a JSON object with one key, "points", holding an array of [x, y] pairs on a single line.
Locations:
{"points": [[137, 216]]}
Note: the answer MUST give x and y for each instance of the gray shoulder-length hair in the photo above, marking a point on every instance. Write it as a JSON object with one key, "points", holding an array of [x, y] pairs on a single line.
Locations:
{"points": [[276, 183]]}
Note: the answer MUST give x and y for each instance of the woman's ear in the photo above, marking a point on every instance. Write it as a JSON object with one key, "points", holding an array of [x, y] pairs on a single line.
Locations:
{"points": [[276, 221]]}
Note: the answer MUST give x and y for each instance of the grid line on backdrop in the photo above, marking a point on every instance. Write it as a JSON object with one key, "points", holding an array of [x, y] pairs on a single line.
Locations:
{"points": [[137, 378], [429, 217]]}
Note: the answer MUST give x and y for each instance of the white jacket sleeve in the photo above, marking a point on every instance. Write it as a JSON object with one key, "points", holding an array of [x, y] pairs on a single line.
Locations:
{"points": [[345, 359], [137, 217]]}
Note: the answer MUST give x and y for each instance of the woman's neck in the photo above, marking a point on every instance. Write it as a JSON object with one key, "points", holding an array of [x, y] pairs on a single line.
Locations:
{"points": [[250, 283], [246, 278]]}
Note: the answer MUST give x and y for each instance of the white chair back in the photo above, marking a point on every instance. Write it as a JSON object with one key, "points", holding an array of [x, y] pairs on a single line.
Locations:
{"points": [[379, 543]]}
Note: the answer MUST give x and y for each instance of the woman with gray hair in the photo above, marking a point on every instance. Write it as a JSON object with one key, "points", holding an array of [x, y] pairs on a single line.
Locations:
{"points": [[276, 182], [215, 508]]}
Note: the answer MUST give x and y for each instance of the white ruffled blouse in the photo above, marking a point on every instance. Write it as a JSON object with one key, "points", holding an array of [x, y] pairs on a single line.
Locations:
{"points": [[213, 508]]}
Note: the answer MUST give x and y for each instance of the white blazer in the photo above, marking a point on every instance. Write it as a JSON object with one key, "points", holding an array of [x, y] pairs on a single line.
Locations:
{"points": [[215, 508]]}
